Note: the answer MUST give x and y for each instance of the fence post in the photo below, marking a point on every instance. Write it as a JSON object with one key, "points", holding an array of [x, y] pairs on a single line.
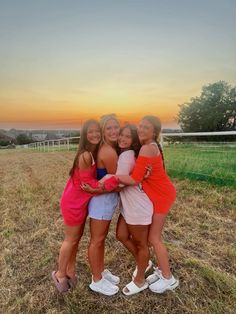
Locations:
{"points": [[161, 140]]}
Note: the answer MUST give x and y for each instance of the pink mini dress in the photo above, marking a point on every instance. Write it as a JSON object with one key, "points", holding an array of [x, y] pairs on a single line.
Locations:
{"points": [[74, 201]]}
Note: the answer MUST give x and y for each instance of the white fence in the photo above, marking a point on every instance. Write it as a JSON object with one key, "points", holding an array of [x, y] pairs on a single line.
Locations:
{"points": [[184, 157], [66, 143], [71, 143]]}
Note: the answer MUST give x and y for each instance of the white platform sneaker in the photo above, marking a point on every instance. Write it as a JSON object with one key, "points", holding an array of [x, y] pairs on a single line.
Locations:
{"points": [[104, 286], [163, 284], [154, 276], [115, 280]]}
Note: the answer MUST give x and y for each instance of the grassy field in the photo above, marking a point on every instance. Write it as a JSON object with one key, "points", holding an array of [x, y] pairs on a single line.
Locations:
{"points": [[211, 163], [200, 235]]}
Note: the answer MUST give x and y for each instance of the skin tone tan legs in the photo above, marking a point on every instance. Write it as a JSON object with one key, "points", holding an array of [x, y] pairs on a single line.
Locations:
{"points": [[123, 235], [96, 250], [135, 239], [68, 251], [139, 235], [71, 266], [156, 242]]}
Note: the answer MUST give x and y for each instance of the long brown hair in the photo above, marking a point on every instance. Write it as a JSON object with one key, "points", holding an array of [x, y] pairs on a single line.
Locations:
{"points": [[84, 144], [135, 144], [156, 122]]}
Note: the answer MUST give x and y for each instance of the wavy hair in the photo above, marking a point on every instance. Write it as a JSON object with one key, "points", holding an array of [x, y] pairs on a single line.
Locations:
{"points": [[135, 144], [156, 123], [103, 121], [84, 144]]}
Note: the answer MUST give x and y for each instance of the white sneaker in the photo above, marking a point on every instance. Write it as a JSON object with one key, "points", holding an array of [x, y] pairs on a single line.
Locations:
{"points": [[163, 284], [154, 276], [115, 280], [104, 286]]}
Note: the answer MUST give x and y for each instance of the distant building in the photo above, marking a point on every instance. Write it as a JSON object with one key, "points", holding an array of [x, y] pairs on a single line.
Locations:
{"points": [[52, 136], [39, 136]]}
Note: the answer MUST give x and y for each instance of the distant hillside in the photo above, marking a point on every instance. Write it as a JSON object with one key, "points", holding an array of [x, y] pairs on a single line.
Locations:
{"points": [[6, 139], [39, 135]]}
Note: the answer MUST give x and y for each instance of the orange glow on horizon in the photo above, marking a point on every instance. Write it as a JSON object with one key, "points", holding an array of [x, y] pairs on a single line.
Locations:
{"points": [[68, 117], [72, 113]]}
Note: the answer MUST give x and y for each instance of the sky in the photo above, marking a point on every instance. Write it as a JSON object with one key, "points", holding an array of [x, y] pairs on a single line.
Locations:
{"points": [[64, 61]]}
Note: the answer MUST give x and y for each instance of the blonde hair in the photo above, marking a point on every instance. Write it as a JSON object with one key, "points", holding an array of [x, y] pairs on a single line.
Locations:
{"points": [[103, 121]]}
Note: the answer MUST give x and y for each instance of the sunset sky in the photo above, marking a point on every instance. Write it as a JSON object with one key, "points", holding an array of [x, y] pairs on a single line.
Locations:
{"points": [[63, 61]]}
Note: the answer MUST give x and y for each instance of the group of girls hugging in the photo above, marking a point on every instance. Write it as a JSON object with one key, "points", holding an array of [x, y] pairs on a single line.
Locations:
{"points": [[117, 168]]}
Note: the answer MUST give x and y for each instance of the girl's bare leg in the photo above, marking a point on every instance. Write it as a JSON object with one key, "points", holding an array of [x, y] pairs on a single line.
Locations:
{"points": [[96, 250], [155, 238], [72, 237], [140, 237], [123, 235], [71, 266]]}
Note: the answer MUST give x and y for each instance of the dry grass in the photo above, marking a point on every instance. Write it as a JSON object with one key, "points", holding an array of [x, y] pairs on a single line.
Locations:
{"points": [[200, 235]]}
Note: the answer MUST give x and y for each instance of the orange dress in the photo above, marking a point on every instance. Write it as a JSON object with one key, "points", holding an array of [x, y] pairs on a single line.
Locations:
{"points": [[158, 185]]}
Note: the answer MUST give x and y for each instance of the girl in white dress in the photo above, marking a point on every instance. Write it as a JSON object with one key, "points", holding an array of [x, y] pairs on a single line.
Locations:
{"points": [[136, 211]]}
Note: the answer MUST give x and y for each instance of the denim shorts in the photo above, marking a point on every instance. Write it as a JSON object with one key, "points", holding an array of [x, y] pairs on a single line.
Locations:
{"points": [[102, 207]]}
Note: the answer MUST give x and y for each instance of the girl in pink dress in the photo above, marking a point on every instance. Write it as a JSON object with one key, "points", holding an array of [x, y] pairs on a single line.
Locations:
{"points": [[74, 204]]}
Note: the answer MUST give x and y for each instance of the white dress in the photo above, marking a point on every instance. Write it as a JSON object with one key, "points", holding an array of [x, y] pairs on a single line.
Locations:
{"points": [[136, 207]]}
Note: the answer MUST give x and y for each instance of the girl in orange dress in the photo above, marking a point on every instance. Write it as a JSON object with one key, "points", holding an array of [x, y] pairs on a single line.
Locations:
{"points": [[162, 193]]}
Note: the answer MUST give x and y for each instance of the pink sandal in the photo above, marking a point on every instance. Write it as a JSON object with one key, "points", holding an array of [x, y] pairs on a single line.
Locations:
{"points": [[72, 281], [62, 286]]}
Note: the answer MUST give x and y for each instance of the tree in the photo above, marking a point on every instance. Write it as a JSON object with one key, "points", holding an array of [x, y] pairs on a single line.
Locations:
{"points": [[23, 139], [214, 110], [4, 142]]}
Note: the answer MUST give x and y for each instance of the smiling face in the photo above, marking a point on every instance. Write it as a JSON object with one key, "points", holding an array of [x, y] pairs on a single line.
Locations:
{"points": [[111, 131], [125, 139], [94, 134], [146, 131]]}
